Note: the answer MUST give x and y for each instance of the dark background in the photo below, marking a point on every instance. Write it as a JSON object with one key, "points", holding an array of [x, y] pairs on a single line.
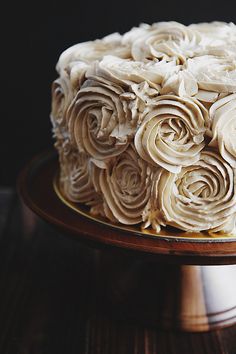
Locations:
{"points": [[33, 37]]}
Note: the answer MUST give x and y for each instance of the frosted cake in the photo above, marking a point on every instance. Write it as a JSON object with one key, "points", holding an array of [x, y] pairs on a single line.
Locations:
{"points": [[145, 126]]}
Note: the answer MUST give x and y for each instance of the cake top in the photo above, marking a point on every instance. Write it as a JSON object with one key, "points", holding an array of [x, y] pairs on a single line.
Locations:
{"points": [[145, 124], [170, 56]]}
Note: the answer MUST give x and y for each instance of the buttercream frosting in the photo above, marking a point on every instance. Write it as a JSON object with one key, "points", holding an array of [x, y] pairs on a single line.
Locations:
{"points": [[126, 187], [77, 176], [145, 126], [100, 119], [172, 132], [223, 118], [90, 51], [201, 197]]}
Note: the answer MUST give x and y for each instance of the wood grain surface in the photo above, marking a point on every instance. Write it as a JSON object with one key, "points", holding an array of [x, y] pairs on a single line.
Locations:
{"points": [[49, 303]]}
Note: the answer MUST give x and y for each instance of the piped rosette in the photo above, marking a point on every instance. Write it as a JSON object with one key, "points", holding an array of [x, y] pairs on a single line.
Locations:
{"points": [[89, 52], [200, 197], [101, 120], [223, 118], [166, 40], [126, 187], [172, 132], [62, 95], [78, 176]]}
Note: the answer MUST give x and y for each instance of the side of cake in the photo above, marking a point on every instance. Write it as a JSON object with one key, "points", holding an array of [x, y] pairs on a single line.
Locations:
{"points": [[145, 126]]}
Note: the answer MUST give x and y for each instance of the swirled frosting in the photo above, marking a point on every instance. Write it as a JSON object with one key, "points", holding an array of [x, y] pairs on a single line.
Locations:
{"points": [[172, 132], [77, 176], [200, 197], [218, 32], [90, 51], [126, 187], [145, 126], [214, 73], [62, 95], [223, 117], [129, 71], [166, 40], [100, 119]]}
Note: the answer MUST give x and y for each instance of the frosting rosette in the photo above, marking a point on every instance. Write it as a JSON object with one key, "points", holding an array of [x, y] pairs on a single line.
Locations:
{"points": [[166, 40], [78, 176], [76, 72], [200, 197], [127, 71], [223, 118], [90, 51], [101, 119], [62, 96], [126, 186], [172, 132], [214, 73], [136, 32], [217, 33]]}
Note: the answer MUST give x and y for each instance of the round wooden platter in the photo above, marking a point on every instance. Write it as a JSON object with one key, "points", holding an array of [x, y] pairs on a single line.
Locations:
{"points": [[36, 187]]}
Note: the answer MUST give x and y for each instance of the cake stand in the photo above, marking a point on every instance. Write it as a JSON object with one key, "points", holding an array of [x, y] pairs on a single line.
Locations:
{"points": [[185, 283]]}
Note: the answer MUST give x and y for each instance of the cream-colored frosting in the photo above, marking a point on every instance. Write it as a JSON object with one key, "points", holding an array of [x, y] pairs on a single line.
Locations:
{"points": [[145, 96], [214, 73], [126, 187], [200, 197], [220, 33], [172, 132], [145, 125], [142, 79], [223, 117], [206, 96], [182, 83], [135, 33], [77, 176], [62, 95], [166, 40], [76, 70], [91, 51], [101, 120], [129, 71]]}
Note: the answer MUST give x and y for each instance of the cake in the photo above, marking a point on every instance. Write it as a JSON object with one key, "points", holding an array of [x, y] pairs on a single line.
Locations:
{"points": [[145, 126]]}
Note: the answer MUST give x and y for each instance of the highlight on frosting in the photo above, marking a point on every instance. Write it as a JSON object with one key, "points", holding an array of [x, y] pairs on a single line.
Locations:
{"points": [[145, 126]]}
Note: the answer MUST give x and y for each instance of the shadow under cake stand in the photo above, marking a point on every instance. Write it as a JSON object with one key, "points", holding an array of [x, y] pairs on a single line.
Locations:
{"points": [[185, 283]]}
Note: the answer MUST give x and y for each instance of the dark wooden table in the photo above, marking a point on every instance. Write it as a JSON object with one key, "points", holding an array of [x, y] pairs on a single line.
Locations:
{"points": [[49, 302]]}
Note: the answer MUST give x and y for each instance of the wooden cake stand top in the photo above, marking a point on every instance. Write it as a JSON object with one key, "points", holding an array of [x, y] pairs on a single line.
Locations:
{"points": [[35, 185]]}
